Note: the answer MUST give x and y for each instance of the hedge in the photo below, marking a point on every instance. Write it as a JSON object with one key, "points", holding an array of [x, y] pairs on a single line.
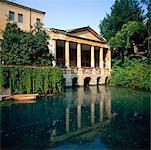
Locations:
{"points": [[29, 79]]}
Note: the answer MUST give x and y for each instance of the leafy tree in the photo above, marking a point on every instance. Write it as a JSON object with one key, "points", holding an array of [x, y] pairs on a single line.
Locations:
{"points": [[131, 33], [129, 36], [148, 24], [121, 12], [19, 47]]}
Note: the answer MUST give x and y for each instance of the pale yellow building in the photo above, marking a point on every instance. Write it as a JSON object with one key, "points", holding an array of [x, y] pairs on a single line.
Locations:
{"points": [[82, 53], [25, 17]]}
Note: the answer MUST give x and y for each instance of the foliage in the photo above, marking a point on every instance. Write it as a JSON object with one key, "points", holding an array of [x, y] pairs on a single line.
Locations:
{"points": [[121, 12], [131, 32], [19, 47], [42, 80], [131, 74]]}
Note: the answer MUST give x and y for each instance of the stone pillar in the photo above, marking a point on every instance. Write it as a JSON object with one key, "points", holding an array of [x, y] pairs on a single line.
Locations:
{"points": [[109, 53], [108, 59], [67, 119], [101, 58], [80, 77], [52, 49], [67, 61], [92, 56], [79, 55]]}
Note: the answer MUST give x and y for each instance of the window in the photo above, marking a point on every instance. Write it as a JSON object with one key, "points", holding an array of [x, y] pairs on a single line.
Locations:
{"points": [[20, 18], [11, 16], [38, 22]]}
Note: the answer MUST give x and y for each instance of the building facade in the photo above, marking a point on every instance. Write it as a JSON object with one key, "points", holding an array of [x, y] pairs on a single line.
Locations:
{"points": [[25, 17], [83, 55]]}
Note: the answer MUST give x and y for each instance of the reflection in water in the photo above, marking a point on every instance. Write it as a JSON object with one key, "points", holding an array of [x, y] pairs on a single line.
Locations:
{"points": [[84, 102], [76, 116]]}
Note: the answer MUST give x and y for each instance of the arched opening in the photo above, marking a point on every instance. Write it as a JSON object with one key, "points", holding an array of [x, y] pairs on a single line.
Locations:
{"points": [[64, 81], [74, 82], [106, 80], [98, 80], [86, 81]]}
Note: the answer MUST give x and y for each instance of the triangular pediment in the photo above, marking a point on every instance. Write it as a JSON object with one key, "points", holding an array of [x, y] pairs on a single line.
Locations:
{"points": [[86, 32]]}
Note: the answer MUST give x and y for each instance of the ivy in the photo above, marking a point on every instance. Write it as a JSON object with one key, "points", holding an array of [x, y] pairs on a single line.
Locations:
{"points": [[27, 79]]}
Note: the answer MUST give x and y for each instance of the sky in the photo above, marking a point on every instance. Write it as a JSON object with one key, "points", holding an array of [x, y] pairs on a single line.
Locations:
{"points": [[69, 14]]}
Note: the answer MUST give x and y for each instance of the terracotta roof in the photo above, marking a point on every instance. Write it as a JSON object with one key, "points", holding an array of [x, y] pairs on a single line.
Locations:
{"points": [[21, 6]]}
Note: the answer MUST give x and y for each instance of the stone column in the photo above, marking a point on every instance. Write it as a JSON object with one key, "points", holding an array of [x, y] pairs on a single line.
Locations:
{"points": [[101, 58], [92, 56], [79, 55], [67, 119], [109, 53], [52, 49], [108, 60], [67, 61]]}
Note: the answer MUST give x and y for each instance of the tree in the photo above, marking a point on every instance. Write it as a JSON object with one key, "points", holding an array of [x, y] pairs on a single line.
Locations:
{"points": [[148, 24], [19, 47], [131, 34], [121, 12]]}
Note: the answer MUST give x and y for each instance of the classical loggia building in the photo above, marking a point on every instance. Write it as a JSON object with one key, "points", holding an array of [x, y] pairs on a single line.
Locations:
{"points": [[83, 55]]}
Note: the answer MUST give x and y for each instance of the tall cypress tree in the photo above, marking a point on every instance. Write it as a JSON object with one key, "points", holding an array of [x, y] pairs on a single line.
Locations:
{"points": [[121, 12]]}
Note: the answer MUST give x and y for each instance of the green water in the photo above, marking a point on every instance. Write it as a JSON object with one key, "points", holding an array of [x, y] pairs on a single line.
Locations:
{"points": [[83, 118]]}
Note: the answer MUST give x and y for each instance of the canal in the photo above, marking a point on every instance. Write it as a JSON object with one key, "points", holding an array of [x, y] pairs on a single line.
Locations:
{"points": [[82, 118]]}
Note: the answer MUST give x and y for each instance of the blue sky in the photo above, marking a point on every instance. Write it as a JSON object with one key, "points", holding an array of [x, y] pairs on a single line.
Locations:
{"points": [[68, 14]]}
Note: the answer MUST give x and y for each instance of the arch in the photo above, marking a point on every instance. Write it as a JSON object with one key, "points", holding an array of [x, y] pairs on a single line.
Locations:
{"points": [[98, 80], [106, 80], [74, 82], [64, 81], [87, 81]]}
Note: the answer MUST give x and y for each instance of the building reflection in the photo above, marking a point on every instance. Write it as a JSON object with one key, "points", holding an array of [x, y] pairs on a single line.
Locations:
{"points": [[91, 110], [57, 118]]}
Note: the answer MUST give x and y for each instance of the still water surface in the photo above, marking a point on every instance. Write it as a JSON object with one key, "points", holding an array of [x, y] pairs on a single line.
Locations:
{"points": [[83, 118]]}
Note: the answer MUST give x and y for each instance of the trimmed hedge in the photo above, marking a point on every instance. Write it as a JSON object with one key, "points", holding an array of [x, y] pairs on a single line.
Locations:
{"points": [[42, 80], [132, 74]]}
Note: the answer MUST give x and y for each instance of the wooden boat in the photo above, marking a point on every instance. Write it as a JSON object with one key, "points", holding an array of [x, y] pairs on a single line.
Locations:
{"points": [[24, 97]]}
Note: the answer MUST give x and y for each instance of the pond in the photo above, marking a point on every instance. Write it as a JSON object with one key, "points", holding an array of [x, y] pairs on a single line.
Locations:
{"points": [[95, 117]]}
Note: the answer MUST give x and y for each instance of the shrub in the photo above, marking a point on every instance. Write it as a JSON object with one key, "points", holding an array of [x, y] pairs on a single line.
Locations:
{"points": [[131, 74], [42, 80]]}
